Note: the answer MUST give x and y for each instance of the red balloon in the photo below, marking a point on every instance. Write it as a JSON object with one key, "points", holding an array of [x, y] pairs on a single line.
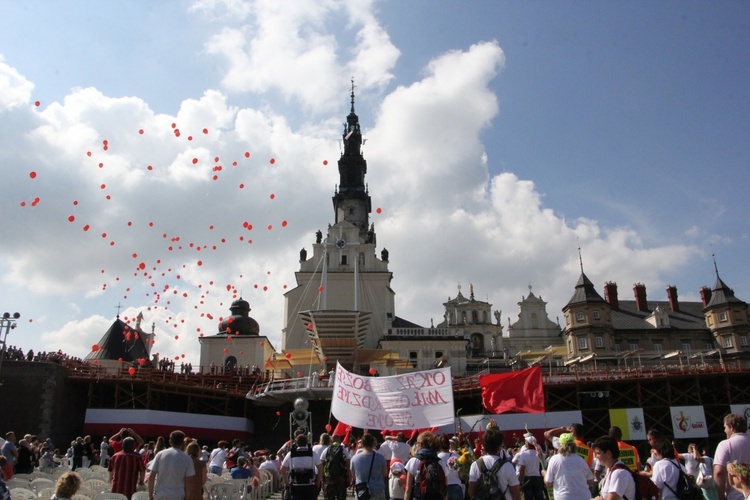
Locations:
{"points": [[131, 370], [95, 347], [328, 427], [299, 374], [278, 413], [32, 175], [288, 355], [372, 371]]}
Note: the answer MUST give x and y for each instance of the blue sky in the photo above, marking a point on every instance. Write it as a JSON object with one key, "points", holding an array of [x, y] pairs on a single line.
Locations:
{"points": [[501, 136]]}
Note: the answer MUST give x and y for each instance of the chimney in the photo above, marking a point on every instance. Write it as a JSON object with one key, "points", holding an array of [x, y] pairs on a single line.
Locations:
{"points": [[672, 296], [610, 295], [705, 295], [639, 289]]}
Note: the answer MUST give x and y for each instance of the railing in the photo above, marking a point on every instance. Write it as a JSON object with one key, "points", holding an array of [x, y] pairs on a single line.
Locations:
{"points": [[423, 332], [240, 385]]}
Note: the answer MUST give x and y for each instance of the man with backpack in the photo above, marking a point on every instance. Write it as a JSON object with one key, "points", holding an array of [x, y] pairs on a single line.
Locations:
{"points": [[425, 475], [302, 471], [335, 470], [618, 482], [492, 477]]}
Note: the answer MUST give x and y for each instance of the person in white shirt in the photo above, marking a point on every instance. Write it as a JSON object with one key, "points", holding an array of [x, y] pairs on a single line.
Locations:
{"points": [[527, 466], [325, 442], [692, 460], [507, 480], [666, 471], [735, 447], [618, 482], [398, 447], [568, 473]]}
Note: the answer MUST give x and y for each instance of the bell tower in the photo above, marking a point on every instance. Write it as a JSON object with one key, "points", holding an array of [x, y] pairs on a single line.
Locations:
{"points": [[351, 202]]}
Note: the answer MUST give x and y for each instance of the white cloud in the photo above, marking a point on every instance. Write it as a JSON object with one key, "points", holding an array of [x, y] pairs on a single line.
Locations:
{"points": [[295, 51], [15, 90]]}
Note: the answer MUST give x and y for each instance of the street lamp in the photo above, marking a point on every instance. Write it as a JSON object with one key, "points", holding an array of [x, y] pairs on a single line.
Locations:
{"points": [[7, 323]]}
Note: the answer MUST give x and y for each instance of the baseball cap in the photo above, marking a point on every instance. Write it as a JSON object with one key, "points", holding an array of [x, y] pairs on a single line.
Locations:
{"points": [[567, 438]]}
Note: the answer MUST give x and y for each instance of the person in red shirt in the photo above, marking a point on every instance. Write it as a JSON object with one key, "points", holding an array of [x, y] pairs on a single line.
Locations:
{"points": [[116, 440], [126, 469]]}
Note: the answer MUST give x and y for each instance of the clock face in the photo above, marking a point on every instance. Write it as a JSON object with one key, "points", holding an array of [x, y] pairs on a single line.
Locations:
{"points": [[340, 244]]}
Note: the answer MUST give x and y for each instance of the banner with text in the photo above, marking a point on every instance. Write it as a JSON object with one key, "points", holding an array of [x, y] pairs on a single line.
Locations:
{"points": [[630, 421], [688, 422], [399, 402]]}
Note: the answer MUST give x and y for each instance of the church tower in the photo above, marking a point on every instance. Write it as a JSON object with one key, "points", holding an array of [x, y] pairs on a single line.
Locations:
{"points": [[343, 302]]}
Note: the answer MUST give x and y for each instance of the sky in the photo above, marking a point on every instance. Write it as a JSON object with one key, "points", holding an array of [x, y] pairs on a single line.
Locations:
{"points": [[168, 157]]}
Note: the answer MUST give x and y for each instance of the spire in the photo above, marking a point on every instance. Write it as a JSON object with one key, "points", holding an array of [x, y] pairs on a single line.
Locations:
{"points": [[351, 201]]}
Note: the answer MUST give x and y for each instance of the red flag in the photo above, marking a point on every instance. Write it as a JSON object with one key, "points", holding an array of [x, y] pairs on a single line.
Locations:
{"points": [[520, 391]]}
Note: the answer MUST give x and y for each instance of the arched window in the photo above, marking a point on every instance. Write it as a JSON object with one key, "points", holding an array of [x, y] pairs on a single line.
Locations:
{"points": [[230, 362], [534, 321]]}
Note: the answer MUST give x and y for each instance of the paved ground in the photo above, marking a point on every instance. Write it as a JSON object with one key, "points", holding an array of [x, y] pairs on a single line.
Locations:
{"points": [[277, 496]]}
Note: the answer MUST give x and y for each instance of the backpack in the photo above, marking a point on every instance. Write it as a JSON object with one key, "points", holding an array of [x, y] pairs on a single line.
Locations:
{"points": [[231, 458], [685, 488], [334, 465], [645, 489], [488, 487], [430, 482]]}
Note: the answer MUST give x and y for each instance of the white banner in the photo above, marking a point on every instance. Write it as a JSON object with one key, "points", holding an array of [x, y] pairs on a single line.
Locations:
{"points": [[688, 422], [743, 410], [415, 400]]}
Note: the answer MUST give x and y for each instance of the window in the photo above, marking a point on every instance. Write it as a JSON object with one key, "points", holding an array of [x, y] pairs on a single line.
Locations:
{"points": [[728, 342], [633, 347], [343, 260], [708, 346], [743, 341], [567, 319], [657, 348], [570, 346], [351, 211], [596, 314], [412, 354], [722, 317], [618, 348], [582, 344], [579, 317], [438, 354], [599, 342], [687, 349]]}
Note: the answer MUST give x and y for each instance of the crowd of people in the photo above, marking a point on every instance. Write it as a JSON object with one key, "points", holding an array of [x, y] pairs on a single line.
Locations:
{"points": [[394, 467]]}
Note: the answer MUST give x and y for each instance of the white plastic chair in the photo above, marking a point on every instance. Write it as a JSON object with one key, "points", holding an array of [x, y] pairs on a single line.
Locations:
{"points": [[46, 493], [86, 492], [96, 484], [226, 490], [108, 495], [78, 496], [25, 477], [85, 473], [14, 482], [38, 485], [139, 495], [22, 494]]}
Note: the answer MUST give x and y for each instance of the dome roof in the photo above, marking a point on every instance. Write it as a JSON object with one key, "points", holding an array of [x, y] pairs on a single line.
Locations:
{"points": [[240, 322]]}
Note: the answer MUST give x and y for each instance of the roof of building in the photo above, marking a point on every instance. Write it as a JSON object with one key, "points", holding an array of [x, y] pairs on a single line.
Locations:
{"points": [[722, 295], [628, 317], [120, 342], [585, 292]]}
